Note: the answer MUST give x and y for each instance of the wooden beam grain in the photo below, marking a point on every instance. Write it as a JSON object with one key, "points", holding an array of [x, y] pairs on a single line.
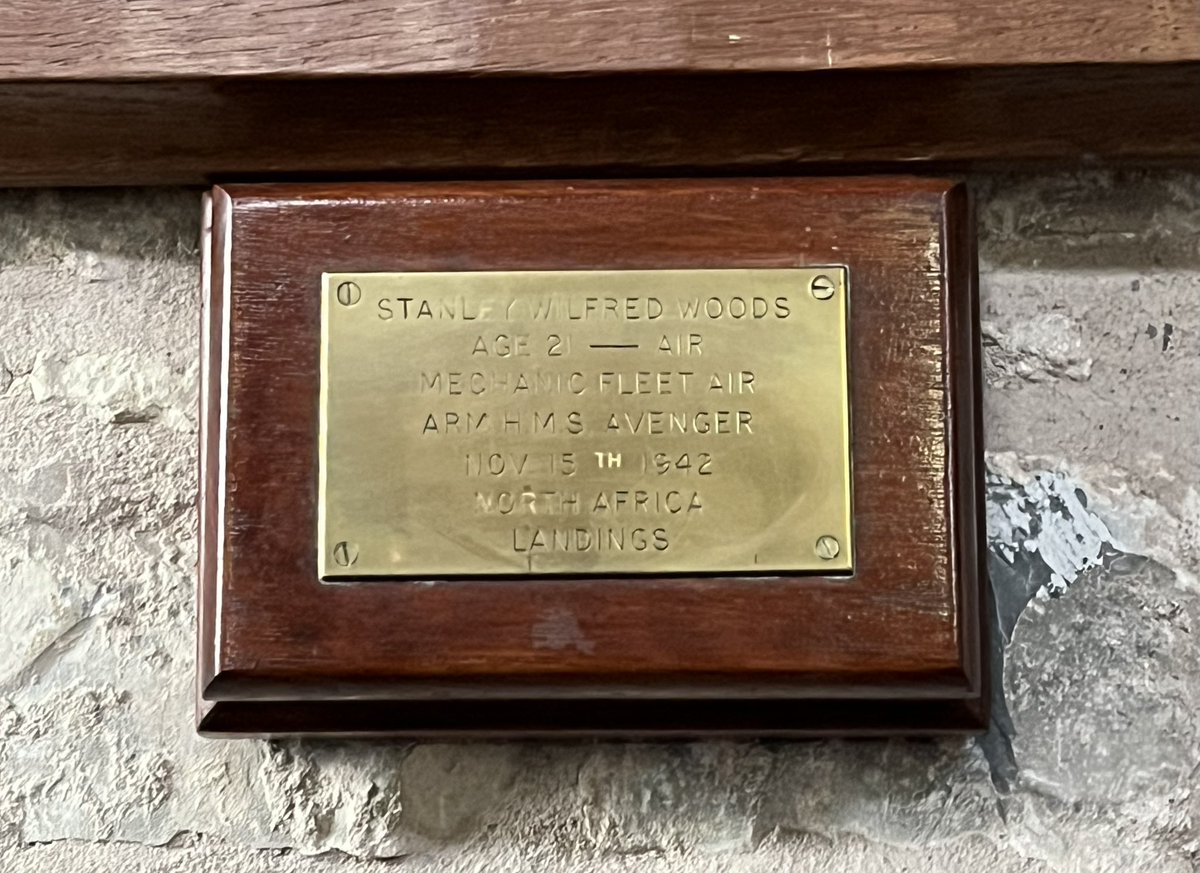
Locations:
{"points": [[166, 39]]}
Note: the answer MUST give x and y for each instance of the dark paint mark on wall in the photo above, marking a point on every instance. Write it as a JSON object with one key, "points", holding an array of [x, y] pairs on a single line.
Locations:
{"points": [[1027, 521]]}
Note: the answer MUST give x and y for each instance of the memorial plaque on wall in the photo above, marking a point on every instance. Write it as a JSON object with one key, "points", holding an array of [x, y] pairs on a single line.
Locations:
{"points": [[660, 458]]}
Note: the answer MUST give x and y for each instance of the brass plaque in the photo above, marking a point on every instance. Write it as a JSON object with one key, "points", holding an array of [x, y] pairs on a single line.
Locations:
{"points": [[584, 422]]}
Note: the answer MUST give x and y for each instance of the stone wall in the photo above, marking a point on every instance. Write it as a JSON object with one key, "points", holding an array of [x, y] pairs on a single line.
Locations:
{"points": [[1091, 308]]}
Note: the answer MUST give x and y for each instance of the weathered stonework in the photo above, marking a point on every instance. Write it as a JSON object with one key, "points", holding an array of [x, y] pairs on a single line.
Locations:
{"points": [[1091, 298]]}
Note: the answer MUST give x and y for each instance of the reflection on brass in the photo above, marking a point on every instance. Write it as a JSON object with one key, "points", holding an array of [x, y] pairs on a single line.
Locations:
{"points": [[584, 422]]}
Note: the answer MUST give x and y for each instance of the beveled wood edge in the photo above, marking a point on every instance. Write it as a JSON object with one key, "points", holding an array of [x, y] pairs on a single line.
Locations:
{"points": [[591, 719], [965, 434], [248, 686], [255, 193], [215, 240]]}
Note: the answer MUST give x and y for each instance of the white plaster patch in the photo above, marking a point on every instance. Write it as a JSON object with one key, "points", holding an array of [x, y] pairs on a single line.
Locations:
{"points": [[35, 610], [1041, 512], [119, 388], [1165, 530]]}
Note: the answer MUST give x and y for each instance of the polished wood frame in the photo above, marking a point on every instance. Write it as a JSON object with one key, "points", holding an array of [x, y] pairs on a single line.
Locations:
{"points": [[898, 647]]}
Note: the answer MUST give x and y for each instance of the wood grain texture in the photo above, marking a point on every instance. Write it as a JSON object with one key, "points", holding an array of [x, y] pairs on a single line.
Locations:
{"points": [[112, 92], [172, 39], [202, 131], [898, 647]]}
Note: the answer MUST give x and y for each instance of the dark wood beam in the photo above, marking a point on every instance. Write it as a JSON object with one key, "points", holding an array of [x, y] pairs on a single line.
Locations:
{"points": [[204, 130]]}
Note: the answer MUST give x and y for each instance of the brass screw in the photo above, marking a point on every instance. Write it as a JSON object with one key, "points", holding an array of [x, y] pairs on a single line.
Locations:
{"points": [[348, 293], [345, 554], [828, 548], [822, 288]]}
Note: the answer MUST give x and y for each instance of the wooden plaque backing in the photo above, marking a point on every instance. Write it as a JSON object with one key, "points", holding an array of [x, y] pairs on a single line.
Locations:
{"points": [[896, 648]]}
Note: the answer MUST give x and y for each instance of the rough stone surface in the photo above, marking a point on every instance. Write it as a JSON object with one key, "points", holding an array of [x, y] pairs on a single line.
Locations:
{"points": [[1091, 293]]}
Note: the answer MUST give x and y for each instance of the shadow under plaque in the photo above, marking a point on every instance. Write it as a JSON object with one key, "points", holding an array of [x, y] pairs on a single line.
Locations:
{"points": [[637, 458]]}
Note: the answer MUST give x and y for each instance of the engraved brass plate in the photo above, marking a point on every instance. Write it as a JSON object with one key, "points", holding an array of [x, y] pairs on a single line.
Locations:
{"points": [[584, 422]]}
